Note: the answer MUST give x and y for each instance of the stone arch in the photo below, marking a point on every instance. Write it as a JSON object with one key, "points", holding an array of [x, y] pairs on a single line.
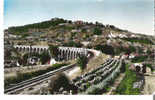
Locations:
{"points": [[24, 49], [41, 49], [35, 49], [27, 49], [38, 50]]}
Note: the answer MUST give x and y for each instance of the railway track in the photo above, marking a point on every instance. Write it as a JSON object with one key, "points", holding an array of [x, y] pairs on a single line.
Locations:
{"points": [[36, 80], [16, 88]]}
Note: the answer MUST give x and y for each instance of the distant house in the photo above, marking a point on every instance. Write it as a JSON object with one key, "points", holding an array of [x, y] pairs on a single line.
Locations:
{"points": [[138, 67], [12, 36], [63, 24], [131, 56], [76, 30], [85, 43], [52, 61], [79, 22]]}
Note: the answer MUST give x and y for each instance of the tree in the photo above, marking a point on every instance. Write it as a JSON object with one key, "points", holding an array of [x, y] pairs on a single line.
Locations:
{"points": [[82, 62], [54, 51], [97, 31], [107, 49], [44, 57], [58, 81], [24, 59]]}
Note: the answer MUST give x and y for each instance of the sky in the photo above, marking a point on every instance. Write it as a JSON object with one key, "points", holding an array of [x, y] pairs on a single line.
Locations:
{"points": [[133, 15]]}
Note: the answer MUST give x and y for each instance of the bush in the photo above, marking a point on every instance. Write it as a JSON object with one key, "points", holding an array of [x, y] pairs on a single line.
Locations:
{"points": [[107, 49], [61, 80], [97, 31], [44, 57], [54, 50], [139, 40], [139, 59], [82, 61], [72, 44]]}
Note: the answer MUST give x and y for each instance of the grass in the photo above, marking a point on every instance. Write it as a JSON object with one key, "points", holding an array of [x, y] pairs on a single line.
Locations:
{"points": [[126, 85], [24, 76]]}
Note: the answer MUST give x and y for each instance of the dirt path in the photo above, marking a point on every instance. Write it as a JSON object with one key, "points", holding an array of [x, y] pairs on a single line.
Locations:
{"points": [[149, 86], [116, 84]]}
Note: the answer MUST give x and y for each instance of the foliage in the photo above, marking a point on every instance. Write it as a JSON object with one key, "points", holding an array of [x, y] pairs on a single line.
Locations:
{"points": [[84, 30], [72, 44], [44, 57], [126, 85], [139, 59], [108, 79], [24, 59], [73, 34], [107, 49], [42, 25], [122, 49], [82, 61], [139, 40], [58, 81], [97, 31], [54, 50]]}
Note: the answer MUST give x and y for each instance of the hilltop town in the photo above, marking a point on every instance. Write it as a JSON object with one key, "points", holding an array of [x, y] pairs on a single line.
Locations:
{"points": [[95, 58]]}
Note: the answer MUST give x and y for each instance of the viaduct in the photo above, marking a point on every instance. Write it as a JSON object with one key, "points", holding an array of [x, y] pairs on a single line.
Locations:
{"points": [[65, 53]]}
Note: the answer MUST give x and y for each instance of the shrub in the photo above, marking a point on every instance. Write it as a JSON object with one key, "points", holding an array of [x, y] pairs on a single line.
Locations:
{"points": [[61, 80], [107, 49], [44, 57], [54, 51], [82, 61], [139, 59], [97, 31], [58, 81], [73, 44]]}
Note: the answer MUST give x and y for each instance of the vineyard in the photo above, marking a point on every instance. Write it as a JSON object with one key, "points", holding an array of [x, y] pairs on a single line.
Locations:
{"points": [[97, 80]]}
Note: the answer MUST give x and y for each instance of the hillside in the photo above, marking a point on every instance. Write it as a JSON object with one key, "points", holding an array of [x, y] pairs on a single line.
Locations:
{"points": [[63, 32]]}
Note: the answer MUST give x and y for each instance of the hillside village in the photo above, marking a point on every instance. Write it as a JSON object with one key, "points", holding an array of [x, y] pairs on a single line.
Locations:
{"points": [[136, 52]]}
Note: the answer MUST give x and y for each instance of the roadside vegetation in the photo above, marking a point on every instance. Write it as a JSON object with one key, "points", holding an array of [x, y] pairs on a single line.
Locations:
{"points": [[126, 85], [24, 76], [139, 59]]}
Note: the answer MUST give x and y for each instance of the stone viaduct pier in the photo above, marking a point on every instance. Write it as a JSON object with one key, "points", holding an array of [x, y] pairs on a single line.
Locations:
{"points": [[65, 53]]}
